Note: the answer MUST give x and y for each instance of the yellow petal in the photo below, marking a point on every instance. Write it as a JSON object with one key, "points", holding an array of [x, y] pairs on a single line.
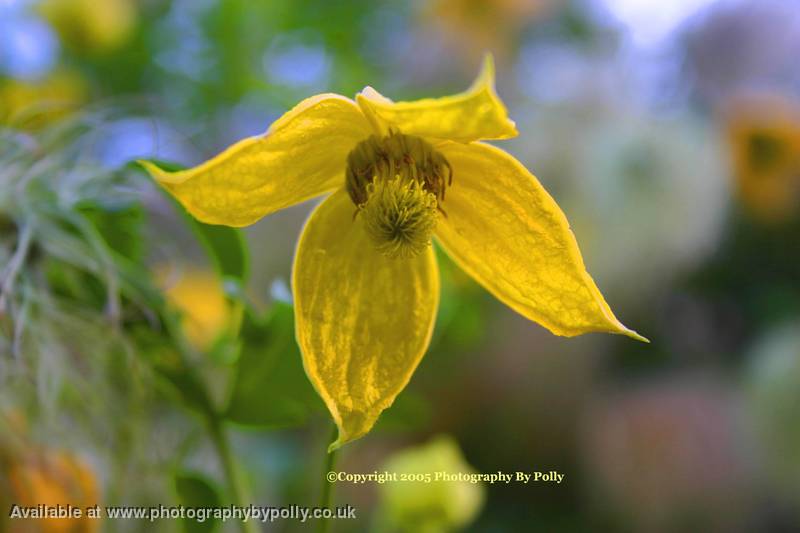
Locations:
{"points": [[509, 234], [302, 155], [474, 114], [363, 320]]}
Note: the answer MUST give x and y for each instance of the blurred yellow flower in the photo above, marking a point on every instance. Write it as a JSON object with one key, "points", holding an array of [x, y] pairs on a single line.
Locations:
{"points": [[92, 25], [43, 100], [35, 477], [365, 279], [436, 506], [199, 296], [471, 26], [764, 138]]}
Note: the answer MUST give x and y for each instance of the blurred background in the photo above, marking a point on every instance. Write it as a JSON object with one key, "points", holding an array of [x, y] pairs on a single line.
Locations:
{"points": [[669, 133]]}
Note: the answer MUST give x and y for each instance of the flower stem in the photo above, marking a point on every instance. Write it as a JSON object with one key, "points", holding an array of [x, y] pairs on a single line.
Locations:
{"points": [[215, 424], [326, 494], [219, 437]]}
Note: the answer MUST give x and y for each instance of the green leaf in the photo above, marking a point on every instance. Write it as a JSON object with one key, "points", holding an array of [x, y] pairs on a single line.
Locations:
{"points": [[166, 165], [270, 387], [195, 490], [185, 384], [120, 227], [410, 412], [225, 246]]}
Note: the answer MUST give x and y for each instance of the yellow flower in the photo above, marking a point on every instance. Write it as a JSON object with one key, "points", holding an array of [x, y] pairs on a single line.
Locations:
{"points": [[199, 296], [41, 101], [50, 478], [764, 137], [92, 25], [468, 27], [365, 280], [445, 504]]}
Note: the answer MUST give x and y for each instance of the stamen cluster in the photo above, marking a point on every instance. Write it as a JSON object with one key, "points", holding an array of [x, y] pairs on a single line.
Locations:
{"points": [[397, 183]]}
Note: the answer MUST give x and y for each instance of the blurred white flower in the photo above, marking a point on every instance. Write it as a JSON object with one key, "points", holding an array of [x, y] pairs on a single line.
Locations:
{"points": [[646, 194]]}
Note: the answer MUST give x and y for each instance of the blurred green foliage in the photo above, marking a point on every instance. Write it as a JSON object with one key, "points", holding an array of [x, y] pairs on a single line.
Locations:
{"points": [[270, 386], [96, 356]]}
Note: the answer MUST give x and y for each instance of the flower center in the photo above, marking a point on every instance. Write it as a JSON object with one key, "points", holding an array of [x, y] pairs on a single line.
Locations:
{"points": [[396, 183]]}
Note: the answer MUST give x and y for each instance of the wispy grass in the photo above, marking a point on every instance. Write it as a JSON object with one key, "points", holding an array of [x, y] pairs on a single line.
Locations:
{"points": [[73, 298], [80, 314]]}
